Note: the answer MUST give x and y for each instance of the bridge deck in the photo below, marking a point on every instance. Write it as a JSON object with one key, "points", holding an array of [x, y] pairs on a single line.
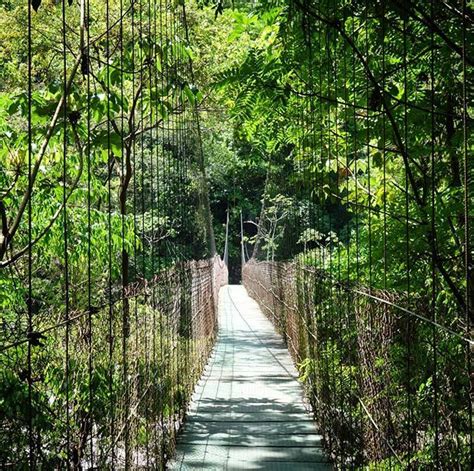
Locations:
{"points": [[247, 411]]}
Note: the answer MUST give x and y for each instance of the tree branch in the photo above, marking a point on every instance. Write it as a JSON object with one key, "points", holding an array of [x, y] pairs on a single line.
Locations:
{"points": [[55, 216], [428, 21], [399, 141], [49, 134]]}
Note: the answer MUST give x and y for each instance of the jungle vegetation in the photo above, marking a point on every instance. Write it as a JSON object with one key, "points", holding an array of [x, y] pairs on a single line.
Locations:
{"points": [[340, 130]]}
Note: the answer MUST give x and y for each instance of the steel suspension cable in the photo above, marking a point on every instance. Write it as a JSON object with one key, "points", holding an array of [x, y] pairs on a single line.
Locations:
{"points": [[111, 329], [125, 179], [410, 421], [65, 235], [89, 153], [433, 243], [467, 177], [349, 458], [31, 444]]}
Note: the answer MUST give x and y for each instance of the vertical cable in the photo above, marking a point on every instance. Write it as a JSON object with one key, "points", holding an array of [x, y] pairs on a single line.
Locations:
{"points": [[134, 386], [155, 203], [309, 267], [467, 247], [367, 130], [384, 185], [110, 164], [331, 344], [338, 327], [160, 192], [434, 243], [349, 459], [86, 66], [183, 374], [176, 165], [135, 66], [384, 156], [410, 421], [170, 277], [153, 157], [320, 280], [143, 41], [65, 236], [32, 457], [357, 278], [150, 209], [172, 163], [125, 170]]}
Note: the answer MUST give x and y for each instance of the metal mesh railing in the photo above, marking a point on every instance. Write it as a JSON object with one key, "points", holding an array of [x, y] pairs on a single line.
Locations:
{"points": [[364, 357], [128, 387]]}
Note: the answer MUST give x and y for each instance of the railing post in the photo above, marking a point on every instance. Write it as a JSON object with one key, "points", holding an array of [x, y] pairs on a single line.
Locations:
{"points": [[242, 246], [226, 247]]}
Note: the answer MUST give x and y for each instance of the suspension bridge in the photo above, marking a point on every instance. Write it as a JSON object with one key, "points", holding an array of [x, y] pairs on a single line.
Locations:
{"points": [[336, 330]]}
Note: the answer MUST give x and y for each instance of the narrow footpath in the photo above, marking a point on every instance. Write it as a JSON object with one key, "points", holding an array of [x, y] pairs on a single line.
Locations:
{"points": [[247, 411]]}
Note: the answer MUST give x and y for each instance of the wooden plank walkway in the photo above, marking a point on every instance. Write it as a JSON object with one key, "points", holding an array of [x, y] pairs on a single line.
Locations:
{"points": [[247, 411]]}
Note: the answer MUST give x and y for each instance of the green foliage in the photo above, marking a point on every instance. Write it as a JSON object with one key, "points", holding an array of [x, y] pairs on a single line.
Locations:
{"points": [[359, 110], [337, 128], [111, 208]]}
